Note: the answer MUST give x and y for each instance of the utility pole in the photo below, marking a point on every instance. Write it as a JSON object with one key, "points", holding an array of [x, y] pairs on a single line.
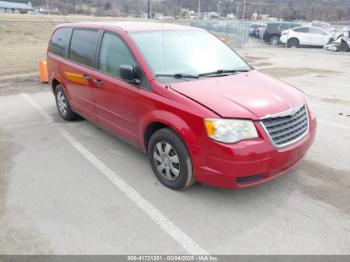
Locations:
{"points": [[260, 8], [47, 7], [199, 6], [149, 9], [244, 9], [237, 7], [172, 8]]}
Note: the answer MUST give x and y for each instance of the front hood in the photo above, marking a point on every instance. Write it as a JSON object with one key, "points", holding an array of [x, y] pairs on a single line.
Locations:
{"points": [[249, 95]]}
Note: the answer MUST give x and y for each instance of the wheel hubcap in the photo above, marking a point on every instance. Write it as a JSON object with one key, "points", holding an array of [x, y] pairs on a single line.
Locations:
{"points": [[166, 160], [61, 102]]}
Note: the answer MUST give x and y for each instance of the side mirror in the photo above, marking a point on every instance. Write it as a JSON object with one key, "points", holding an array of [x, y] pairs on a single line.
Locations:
{"points": [[127, 73]]}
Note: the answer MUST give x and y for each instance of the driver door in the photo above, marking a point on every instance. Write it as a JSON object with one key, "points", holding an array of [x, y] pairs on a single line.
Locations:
{"points": [[116, 101]]}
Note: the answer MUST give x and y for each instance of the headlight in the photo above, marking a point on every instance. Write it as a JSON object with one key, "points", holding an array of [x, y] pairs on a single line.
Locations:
{"points": [[230, 130], [310, 108]]}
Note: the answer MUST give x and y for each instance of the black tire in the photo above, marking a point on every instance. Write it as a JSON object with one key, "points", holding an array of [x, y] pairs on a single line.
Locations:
{"points": [[274, 40], [331, 40], [68, 113], [343, 47], [293, 42], [162, 138]]}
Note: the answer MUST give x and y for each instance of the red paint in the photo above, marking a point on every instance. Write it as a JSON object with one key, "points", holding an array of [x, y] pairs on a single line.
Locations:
{"points": [[127, 111]]}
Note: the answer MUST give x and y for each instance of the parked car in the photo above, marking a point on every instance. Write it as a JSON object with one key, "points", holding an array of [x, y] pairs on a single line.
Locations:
{"points": [[305, 36], [273, 31], [184, 97], [252, 28], [342, 42], [260, 31], [255, 29]]}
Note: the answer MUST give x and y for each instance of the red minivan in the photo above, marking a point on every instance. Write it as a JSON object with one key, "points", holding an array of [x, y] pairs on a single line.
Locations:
{"points": [[183, 96]]}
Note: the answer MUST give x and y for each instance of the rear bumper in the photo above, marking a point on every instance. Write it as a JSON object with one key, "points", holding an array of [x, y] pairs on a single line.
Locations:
{"points": [[249, 162]]}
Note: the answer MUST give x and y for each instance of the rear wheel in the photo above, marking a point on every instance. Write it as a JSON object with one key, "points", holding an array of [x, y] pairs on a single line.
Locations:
{"points": [[274, 40], [63, 105], [343, 47], [170, 159], [293, 42]]}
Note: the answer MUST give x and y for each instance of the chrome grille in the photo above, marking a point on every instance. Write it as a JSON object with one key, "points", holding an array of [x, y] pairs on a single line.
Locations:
{"points": [[284, 130]]}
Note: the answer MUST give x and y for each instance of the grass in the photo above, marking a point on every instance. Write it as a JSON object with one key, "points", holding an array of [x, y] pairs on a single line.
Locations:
{"points": [[22, 45]]}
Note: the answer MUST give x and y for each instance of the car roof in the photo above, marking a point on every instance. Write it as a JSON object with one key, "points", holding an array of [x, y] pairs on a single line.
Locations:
{"points": [[282, 22], [310, 26], [129, 26]]}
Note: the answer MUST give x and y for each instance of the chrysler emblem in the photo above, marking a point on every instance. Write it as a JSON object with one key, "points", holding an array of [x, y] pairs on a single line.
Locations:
{"points": [[290, 112]]}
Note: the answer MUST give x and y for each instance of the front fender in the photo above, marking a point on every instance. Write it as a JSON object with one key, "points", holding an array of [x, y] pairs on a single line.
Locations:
{"points": [[172, 120]]}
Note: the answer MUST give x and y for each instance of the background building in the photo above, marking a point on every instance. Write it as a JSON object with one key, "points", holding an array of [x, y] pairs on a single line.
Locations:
{"points": [[15, 8]]}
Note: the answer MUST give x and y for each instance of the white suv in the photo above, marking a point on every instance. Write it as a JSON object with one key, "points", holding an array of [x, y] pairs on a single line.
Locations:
{"points": [[305, 36]]}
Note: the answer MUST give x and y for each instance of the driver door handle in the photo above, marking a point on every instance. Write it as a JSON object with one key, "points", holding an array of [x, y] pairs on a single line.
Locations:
{"points": [[97, 82]]}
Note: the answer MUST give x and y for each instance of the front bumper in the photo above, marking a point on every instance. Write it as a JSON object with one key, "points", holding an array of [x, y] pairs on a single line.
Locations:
{"points": [[248, 162]]}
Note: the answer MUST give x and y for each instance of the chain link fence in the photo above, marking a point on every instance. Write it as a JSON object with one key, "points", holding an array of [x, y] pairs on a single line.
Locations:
{"points": [[233, 32], [236, 33]]}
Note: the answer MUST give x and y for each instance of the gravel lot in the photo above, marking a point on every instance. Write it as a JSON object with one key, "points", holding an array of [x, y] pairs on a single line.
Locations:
{"points": [[72, 188]]}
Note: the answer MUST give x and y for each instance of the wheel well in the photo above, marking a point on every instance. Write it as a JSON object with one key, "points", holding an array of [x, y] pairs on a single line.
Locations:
{"points": [[150, 130], [293, 38], [54, 84]]}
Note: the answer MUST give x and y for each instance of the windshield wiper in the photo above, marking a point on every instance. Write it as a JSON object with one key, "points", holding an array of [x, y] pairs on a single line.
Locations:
{"points": [[223, 71], [178, 75], [214, 73]]}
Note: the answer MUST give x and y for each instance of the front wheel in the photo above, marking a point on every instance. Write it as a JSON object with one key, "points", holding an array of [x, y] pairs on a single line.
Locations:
{"points": [[343, 47], [170, 159]]}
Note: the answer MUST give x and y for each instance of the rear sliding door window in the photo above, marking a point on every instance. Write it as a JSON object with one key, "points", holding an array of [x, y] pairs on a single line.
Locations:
{"points": [[83, 46], [59, 41]]}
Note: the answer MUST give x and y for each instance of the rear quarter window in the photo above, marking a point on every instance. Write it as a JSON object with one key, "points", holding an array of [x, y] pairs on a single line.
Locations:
{"points": [[60, 41], [83, 46], [301, 30]]}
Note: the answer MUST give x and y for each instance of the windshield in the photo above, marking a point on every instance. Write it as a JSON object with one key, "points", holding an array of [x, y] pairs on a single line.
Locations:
{"points": [[186, 53]]}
